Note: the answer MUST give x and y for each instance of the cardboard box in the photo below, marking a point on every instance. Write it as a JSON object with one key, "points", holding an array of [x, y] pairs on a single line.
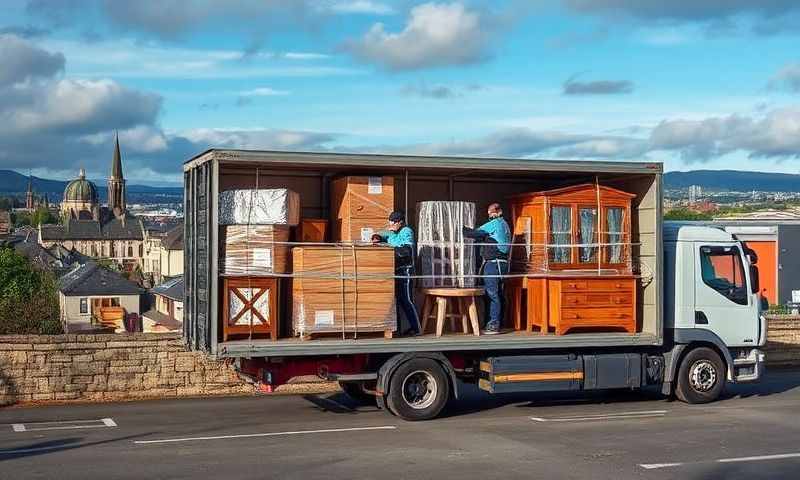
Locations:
{"points": [[359, 203], [312, 230], [254, 250]]}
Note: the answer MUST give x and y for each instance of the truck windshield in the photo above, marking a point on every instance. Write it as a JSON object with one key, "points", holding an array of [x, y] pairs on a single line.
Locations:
{"points": [[722, 270]]}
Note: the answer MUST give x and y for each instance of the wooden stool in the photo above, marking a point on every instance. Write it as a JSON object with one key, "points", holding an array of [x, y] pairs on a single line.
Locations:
{"points": [[462, 306]]}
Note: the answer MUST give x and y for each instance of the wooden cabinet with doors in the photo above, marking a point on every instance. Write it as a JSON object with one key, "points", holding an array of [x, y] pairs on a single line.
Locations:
{"points": [[580, 235]]}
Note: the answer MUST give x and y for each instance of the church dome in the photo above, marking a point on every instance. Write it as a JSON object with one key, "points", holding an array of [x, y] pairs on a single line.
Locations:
{"points": [[80, 190]]}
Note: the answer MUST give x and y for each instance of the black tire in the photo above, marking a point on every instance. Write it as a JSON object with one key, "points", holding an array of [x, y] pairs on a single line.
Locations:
{"points": [[701, 377], [418, 390], [357, 392]]}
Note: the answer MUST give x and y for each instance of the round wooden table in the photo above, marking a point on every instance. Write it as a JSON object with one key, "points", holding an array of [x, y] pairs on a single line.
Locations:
{"points": [[461, 303]]}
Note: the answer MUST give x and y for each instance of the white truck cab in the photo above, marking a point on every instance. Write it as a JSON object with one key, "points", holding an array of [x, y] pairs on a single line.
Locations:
{"points": [[711, 297]]}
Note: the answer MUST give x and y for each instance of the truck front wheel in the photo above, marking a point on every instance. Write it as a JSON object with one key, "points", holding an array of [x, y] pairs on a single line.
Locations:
{"points": [[701, 377], [418, 389]]}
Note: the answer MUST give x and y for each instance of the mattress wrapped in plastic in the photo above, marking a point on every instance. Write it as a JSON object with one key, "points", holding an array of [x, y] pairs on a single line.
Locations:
{"points": [[444, 257], [343, 290], [254, 250], [266, 206]]}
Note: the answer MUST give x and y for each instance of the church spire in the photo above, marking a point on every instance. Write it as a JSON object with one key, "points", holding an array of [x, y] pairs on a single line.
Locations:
{"points": [[29, 194], [116, 183], [116, 163]]}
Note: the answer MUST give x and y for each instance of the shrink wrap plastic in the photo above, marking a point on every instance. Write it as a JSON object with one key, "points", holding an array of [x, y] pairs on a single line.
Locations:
{"points": [[254, 250], [343, 290], [269, 206], [445, 257]]}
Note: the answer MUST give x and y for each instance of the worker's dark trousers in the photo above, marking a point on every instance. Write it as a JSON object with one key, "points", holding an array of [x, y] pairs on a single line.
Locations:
{"points": [[405, 299], [494, 291]]}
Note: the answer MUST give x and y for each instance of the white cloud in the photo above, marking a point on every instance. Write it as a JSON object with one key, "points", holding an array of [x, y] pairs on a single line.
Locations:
{"points": [[787, 78], [359, 6], [263, 92], [437, 34], [127, 58], [21, 61]]}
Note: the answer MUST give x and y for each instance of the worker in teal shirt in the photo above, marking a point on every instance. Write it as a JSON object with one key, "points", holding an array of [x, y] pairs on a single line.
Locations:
{"points": [[401, 237], [496, 237]]}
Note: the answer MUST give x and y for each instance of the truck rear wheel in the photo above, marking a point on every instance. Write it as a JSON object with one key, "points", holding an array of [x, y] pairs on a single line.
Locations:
{"points": [[701, 377], [418, 389]]}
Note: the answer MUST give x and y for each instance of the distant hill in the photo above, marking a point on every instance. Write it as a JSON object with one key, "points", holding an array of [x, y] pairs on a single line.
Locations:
{"points": [[13, 182], [737, 180]]}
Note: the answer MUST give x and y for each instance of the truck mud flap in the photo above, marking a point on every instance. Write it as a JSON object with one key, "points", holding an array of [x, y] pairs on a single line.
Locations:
{"points": [[533, 373]]}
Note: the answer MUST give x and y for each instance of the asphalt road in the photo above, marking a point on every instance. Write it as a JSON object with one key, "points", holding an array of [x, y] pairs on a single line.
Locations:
{"points": [[754, 432]]}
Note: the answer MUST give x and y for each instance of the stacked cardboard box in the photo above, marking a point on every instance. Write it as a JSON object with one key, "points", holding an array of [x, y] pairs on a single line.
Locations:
{"points": [[361, 206], [255, 250], [343, 290]]}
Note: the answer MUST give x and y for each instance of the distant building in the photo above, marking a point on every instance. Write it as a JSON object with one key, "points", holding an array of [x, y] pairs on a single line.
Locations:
{"points": [[167, 312], [776, 242], [163, 254], [695, 192], [5, 223], [94, 230], [92, 297], [767, 215]]}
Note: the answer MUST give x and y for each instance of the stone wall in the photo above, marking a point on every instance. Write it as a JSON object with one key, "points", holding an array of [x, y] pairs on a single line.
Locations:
{"points": [[783, 341], [108, 368]]}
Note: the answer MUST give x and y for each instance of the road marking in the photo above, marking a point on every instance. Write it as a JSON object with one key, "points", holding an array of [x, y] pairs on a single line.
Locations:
{"points": [[63, 425], [604, 416], [760, 458], [268, 434]]}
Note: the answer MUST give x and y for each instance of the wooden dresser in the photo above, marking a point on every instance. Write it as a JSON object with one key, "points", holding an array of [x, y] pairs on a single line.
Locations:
{"points": [[565, 303]]}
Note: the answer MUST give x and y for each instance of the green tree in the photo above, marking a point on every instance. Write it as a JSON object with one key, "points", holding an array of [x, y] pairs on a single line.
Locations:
{"points": [[28, 297], [686, 214]]}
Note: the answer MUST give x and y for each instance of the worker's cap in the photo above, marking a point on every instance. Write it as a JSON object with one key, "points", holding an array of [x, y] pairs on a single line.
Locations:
{"points": [[397, 216]]}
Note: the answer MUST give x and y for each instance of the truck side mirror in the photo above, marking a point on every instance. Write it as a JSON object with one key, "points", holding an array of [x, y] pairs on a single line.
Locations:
{"points": [[754, 286]]}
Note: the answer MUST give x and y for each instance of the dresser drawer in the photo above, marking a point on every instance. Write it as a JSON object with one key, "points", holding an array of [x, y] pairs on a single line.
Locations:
{"points": [[592, 315], [598, 299], [605, 285]]}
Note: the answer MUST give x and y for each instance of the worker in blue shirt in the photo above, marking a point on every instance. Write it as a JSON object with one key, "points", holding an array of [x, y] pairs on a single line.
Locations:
{"points": [[401, 237], [496, 237]]}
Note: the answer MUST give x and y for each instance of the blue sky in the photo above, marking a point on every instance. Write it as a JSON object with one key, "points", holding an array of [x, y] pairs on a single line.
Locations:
{"points": [[691, 83]]}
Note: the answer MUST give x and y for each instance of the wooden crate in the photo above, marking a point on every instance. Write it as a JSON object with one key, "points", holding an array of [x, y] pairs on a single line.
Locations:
{"points": [[252, 250], [250, 307], [358, 229], [362, 196], [565, 303], [323, 302], [360, 203], [312, 230]]}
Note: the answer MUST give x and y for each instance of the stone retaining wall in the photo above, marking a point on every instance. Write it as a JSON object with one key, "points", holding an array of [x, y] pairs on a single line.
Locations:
{"points": [[108, 368], [783, 341]]}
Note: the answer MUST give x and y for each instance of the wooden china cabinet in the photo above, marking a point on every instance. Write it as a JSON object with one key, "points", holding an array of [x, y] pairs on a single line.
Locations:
{"points": [[574, 245]]}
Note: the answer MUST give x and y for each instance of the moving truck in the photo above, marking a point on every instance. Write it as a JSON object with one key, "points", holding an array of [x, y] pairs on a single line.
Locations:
{"points": [[699, 323]]}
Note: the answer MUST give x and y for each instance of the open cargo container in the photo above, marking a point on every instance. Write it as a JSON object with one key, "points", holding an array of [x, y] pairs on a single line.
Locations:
{"points": [[709, 335], [481, 181]]}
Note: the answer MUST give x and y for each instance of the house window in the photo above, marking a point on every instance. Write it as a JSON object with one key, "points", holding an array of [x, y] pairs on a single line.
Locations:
{"points": [[84, 305], [141, 250], [130, 251]]}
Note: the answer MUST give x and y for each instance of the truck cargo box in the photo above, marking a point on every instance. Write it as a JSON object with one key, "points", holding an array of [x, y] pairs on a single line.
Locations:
{"points": [[481, 181]]}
